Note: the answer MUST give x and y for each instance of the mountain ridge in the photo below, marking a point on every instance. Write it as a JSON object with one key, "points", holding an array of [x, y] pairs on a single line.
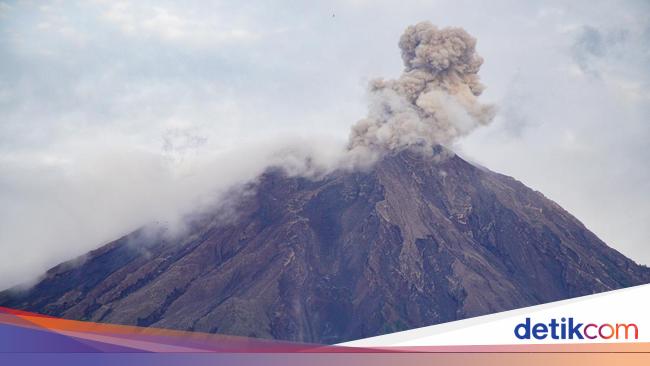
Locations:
{"points": [[415, 240]]}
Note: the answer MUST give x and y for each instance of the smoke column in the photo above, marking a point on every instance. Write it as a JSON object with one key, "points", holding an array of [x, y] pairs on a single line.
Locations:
{"points": [[433, 102]]}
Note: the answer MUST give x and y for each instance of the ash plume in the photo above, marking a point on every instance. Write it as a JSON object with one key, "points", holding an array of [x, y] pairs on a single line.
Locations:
{"points": [[433, 102]]}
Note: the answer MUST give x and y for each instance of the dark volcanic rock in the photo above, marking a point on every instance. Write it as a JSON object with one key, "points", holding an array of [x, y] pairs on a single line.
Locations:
{"points": [[412, 242]]}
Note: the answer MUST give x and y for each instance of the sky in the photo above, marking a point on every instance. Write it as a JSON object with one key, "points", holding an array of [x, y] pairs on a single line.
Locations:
{"points": [[117, 113]]}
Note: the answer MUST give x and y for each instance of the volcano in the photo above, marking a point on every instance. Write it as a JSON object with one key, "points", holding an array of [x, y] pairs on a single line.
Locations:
{"points": [[415, 240]]}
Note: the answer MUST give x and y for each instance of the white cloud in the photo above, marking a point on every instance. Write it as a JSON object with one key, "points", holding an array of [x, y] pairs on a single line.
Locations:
{"points": [[174, 24], [106, 105]]}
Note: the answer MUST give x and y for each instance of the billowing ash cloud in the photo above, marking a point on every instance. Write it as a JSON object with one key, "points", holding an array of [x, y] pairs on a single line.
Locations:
{"points": [[435, 99]]}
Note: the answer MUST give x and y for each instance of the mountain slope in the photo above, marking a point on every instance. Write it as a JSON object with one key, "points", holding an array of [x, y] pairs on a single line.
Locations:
{"points": [[412, 242]]}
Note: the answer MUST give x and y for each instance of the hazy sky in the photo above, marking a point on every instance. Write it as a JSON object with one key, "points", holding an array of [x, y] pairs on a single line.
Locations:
{"points": [[115, 113]]}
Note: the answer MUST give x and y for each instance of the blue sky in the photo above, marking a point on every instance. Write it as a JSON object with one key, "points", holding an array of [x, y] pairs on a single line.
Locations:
{"points": [[113, 113]]}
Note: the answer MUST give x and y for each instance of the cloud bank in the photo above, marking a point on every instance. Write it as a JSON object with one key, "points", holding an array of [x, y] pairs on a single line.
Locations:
{"points": [[107, 106]]}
